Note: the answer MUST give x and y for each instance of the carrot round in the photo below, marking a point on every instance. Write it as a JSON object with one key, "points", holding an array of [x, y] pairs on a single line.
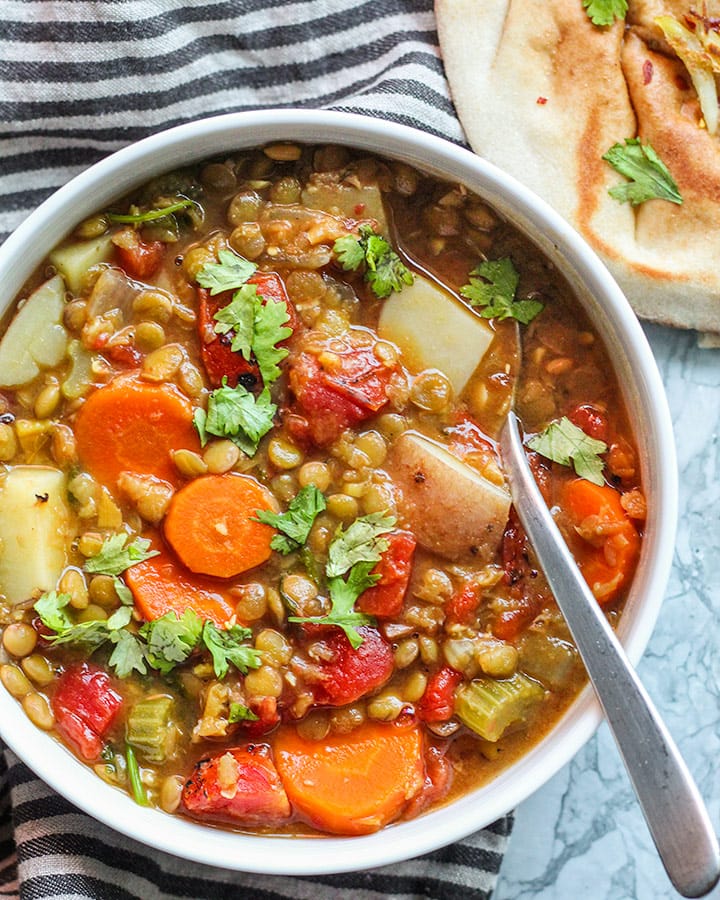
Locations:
{"points": [[610, 543], [351, 783], [160, 585], [131, 425], [211, 525]]}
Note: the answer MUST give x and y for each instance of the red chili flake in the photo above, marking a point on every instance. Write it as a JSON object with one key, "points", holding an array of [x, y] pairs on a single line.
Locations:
{"points": [[359, 209], [647, 71], [541, 101]]}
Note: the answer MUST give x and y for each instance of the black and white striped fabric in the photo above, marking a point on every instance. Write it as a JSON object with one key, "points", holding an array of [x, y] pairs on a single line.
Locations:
{"points": [[80, 79]]}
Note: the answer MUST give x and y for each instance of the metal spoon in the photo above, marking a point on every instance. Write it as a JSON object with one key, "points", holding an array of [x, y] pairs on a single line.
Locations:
{"points": [[670, 801]]}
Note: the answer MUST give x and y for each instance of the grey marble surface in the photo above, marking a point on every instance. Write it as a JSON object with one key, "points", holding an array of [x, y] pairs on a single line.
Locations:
{"points": [[582, 834]]}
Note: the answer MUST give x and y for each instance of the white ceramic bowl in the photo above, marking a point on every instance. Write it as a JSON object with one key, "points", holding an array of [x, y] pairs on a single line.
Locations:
{"points": [[643, 395]]}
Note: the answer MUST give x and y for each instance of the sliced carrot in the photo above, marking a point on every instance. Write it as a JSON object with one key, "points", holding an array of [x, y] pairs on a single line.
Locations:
{"points": [[609, 544], [131, 425], [161, 585], [351, 783], [211, 524]]}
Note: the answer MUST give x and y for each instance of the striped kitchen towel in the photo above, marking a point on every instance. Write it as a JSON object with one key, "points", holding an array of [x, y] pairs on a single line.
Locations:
{"points": [[80, 79]]}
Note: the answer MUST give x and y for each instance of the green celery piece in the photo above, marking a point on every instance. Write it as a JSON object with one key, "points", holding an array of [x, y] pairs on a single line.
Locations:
{"points": [[150, 729], [488, 706]]}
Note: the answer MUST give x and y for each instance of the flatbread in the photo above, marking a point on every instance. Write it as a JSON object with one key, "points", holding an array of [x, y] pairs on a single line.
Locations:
{"points": [[543, 93]]}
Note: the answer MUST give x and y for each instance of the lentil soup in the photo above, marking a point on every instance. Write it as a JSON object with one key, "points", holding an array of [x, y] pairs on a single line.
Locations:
{"points": [[274, 578]]}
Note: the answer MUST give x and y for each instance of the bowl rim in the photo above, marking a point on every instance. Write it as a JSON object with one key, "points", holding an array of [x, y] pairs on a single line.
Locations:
{"points": [[134, 164]]}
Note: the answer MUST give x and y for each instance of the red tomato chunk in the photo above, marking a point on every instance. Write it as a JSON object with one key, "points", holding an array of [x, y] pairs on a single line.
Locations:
{"points": [[86, 705], [385, 598], [240, 785], [351, 674], [437, 704]]}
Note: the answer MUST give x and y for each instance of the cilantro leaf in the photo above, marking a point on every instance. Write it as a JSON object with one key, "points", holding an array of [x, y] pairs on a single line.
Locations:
{"points": [[236, 414], [343, 595], [123, 591], [226, 647], [565, 443], [51, 609], [295, 523], [495, 294], [241, 713], [361, 542], [385, 272], [114, 557], [270, 328], [227, 275], [604, 12], [171, 639], [650, 177], [128, 654], [239, 317]]}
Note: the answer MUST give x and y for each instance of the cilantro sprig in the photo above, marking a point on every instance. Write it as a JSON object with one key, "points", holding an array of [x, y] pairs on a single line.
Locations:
{"points": [[116, 555], [355, 551], [152, 215], [295, 523], [256, 327], [385, 272], [491, 289], [563, 442], [161, 644], [650, 178], [236, 414], [604, 12]]}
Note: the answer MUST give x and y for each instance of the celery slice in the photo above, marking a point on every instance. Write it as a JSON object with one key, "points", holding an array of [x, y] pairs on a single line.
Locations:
{"points": [[150, 729], [488, 706]]}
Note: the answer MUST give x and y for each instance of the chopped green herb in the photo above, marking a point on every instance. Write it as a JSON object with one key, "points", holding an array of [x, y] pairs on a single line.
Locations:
{"points": [[152, 214], [171, 639], [270, 328], [138, 788], [236, 414], [563, 442], [295, 523], [226, 646], [128, 654], [227, 275], [114, 557], [362, 542], [239, 317], [123, 591], [494, 295], [385, 272], [241, 713], [343, 595], [650, 177], [604, 12], [51, 607]]}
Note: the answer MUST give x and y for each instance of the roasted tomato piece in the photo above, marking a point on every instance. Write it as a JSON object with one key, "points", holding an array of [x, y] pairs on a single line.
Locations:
{"points": [[462, 605], [85, 705], [385, 597], [350, 674], [437, 704], [218, 357], [591, 420], [138, 258], [338, 383], [240, 785]]}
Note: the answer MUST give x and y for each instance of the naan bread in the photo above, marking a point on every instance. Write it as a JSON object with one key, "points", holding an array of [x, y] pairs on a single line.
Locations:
{"points": [[543, 94]]}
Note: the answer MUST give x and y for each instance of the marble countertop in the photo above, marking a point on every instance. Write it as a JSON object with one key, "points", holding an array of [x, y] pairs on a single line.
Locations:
{"points": [[582, 835]]}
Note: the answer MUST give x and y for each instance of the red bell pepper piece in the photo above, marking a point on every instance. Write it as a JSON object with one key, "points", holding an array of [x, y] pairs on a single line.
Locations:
{"points": [[86, 705], [351, 674], [385, 597], [218, 357], [437, 704], [241, 786]]}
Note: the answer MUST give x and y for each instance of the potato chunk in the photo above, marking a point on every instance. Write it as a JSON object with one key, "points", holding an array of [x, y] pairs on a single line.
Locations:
{"points": [[35, 338], [435, 331], [35, 531], [449, 506]]}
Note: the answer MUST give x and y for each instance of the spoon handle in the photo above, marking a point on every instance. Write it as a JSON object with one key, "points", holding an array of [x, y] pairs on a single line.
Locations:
{"points": [[670, 801]]}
